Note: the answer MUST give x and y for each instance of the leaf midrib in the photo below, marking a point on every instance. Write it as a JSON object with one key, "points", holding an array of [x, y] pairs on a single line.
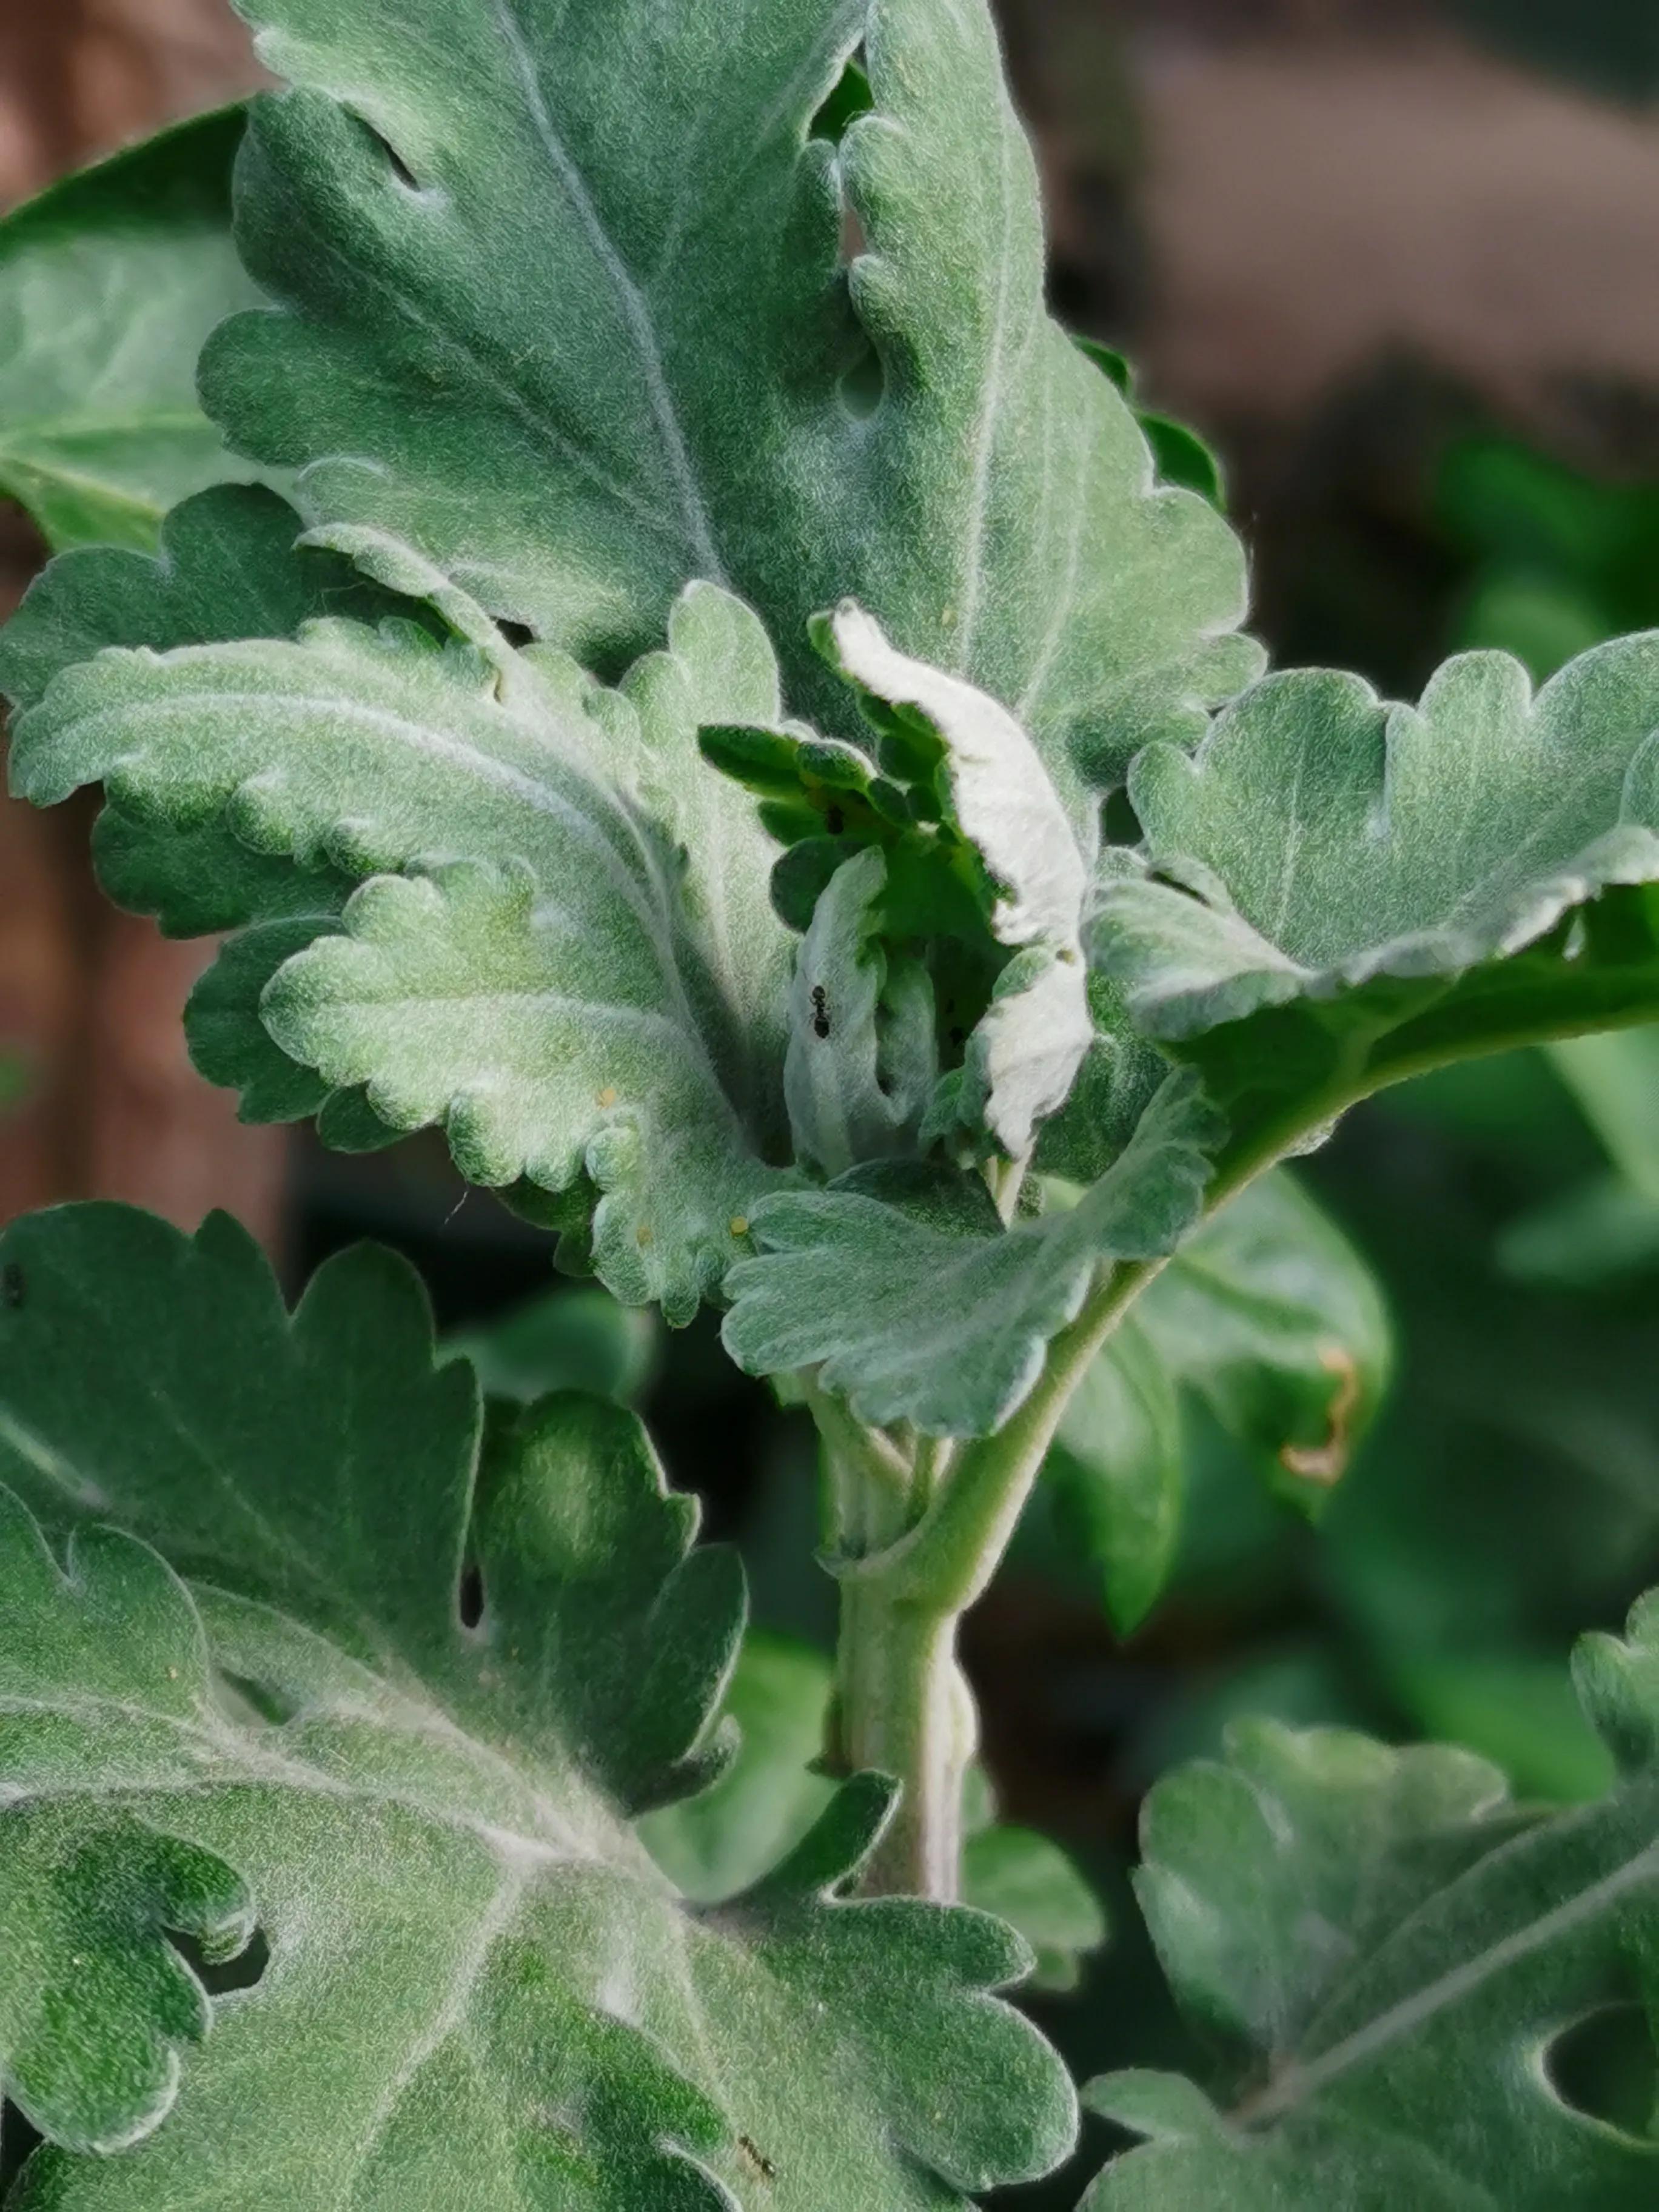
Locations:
{"points": [[21, 428], [251, 1762], [635, 312], [463, 755], [1303, 2079]]}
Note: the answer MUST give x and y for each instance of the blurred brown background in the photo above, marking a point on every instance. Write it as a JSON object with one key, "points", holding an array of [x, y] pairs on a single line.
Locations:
{"points": [[90, 999], [1321, 227]]}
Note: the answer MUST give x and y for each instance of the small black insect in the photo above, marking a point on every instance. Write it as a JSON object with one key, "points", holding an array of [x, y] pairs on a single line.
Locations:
{"points": [[11, 1285], [763, 2166], [820, 1012], [834, 821]]}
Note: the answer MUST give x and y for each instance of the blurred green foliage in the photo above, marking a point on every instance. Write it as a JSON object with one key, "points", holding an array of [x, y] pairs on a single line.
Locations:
{"points": [[1612, 46]]}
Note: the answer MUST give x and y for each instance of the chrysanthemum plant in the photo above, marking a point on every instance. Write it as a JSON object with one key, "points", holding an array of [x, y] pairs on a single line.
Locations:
{"points": [[667, 665]]}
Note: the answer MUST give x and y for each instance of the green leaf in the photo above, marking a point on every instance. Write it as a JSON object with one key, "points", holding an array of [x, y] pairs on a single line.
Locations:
{"points": [[900, 1286], [1615, 1081], [1606, 1232], [1118, 1080], [863, 1059], [1516, 1708], [227, 567], [1030, 1883], [1182, 456], [768, 1800], [1602, 1234], [479, 1988], [1116, 1469], [109, 284], [1273, 1319], [955, 842], [545, 1054], [1393, 1958], [773, 1793], [229, 1042], [721, 398], [565, 1339], [91, 1892], [593, 1006], [1375, 890], [979, 895], [1025, 1052], [1269, 1317]]}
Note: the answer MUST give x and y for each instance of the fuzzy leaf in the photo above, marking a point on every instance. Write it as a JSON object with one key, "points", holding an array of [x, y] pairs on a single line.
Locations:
{"points": [[1118, 1080], [772, 1795], [591, 1006], [226, 568], [902, 1287], [1377, 889], [1025, 1052], [952, 851], [90, 1892], [562, 304], [1389, 1954], [862, 1059], [459, 1001], [774, 1791], [229, 1042], [479, 1990], [109, 283]]}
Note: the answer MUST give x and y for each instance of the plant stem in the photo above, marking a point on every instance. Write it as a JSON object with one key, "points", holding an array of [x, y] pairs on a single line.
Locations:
{"points": [[906, 1710], [902, 1707], [918, 1562], [946, 1562], [1005, 1179], [872, 1480], [924, 1529]]}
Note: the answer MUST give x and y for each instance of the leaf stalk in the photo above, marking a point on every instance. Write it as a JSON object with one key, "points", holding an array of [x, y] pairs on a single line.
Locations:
{"points": [[903, 1705]]}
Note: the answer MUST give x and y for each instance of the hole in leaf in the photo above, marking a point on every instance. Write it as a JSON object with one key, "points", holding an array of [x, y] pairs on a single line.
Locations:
{"points": [[851, 98], [395, 161], [1604, 2065], [220, 1977], [263, 1699], [863, 384], [470, 1598], [518, 634], [1122, 824], [17, 2139]]}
